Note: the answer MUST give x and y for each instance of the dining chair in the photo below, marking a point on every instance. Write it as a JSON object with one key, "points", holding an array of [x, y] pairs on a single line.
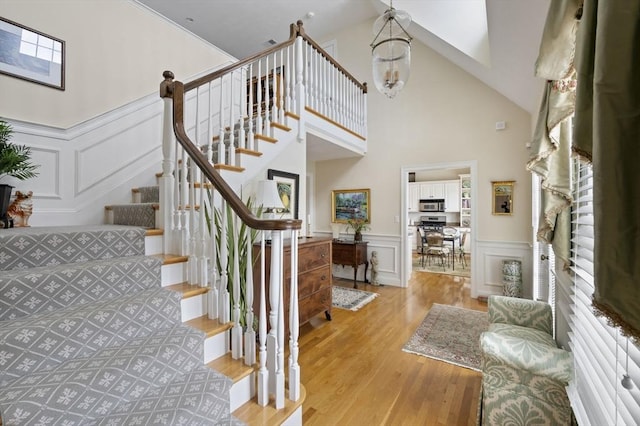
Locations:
{"points": [[437, 249], [461, 253], [422, 245], [452, 235]]}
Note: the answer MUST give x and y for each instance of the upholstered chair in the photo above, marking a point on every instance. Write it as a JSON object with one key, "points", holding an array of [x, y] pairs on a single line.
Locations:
{"points": [[524, 373]]}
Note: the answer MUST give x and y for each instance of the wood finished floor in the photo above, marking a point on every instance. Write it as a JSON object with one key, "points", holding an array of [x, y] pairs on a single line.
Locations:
{"points": [[356, 373]]}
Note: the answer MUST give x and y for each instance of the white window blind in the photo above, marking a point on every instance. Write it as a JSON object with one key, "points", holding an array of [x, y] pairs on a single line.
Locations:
{"points": [[602, 356]]}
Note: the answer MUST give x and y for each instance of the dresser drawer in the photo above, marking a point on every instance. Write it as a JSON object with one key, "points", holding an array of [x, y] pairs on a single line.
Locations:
{"points": [[312, 281], [320, 301], [313, 257]]}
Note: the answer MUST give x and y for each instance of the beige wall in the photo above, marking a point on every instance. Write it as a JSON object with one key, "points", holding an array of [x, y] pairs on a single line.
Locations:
{"points": [[116, 52], [442, 115]]}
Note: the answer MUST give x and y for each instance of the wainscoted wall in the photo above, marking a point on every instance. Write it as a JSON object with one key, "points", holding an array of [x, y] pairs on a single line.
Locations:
{"points": [[486, 268], [93, 164]]}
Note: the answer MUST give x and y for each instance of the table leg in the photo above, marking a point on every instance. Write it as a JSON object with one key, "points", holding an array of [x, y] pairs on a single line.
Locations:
{"points": [[355, 274], [366, 267]]}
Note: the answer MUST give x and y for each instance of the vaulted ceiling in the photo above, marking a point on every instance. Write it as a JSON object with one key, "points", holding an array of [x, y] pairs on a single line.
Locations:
{"points": [[494, 40]]}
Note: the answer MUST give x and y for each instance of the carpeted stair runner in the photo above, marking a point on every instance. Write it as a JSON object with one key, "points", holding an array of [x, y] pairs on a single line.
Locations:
{"points": [[93, 338]]}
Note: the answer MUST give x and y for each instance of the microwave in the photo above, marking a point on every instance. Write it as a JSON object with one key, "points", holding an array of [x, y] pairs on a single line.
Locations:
{"points": [[432, 205]]}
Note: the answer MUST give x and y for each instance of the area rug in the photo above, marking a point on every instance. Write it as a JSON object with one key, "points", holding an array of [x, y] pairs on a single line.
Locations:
{"points": [[438, 269], [350, 298], [450, 334]]}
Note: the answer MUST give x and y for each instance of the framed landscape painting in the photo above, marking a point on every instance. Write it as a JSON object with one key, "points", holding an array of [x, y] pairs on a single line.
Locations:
{"points": [[350, 204]]}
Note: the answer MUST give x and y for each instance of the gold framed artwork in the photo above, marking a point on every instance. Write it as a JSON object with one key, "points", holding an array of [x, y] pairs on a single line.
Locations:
{"points": [[502, 197], [347, 204]]}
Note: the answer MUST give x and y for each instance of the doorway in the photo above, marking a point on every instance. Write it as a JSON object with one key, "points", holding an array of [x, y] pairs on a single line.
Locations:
{"points": [[433, 171]]}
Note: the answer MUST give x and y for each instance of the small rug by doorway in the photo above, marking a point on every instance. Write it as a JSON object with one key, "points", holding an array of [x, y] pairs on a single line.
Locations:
{"points": [[438, 269], [450, 334], [350, 298]]}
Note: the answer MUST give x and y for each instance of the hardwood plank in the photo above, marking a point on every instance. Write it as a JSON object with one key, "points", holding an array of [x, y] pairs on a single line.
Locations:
{"points": [[355, 371]]}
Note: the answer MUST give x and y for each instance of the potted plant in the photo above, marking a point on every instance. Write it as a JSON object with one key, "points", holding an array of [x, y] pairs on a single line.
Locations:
{"points": [[15, 161], [358, 225]]}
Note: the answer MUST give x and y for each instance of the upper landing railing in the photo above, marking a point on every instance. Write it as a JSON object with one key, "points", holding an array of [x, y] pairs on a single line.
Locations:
{"points": [[210, 124]]}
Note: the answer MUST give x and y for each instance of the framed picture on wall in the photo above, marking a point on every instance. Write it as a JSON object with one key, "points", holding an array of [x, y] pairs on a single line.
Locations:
{"points": [[289, 191], [349, 204], [31, 55], [502, 199]]}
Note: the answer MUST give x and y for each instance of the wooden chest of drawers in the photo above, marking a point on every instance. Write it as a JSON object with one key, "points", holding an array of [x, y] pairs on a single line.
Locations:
{"points": [[314, 278]]}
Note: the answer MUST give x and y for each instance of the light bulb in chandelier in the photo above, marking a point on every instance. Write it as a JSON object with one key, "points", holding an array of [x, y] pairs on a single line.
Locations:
{"points": [[391, 52]]}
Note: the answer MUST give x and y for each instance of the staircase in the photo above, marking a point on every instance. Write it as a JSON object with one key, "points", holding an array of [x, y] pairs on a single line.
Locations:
{"points": [[138, 321]]}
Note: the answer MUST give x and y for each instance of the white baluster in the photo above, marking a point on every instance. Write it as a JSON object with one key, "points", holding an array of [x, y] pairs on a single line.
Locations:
{"points": [[288, 106], [192, 263], [221, 145], [242, 105], [267, 100], [250, 138], [214, 293], [259, 124], [294, 322], [232, 140], [279, 382], [210, 117], [236, 331], [273, 77], [281, 88], [224, 313], [249, 334], [275, 284], [263, 372], [301, 82], [184, 193], [202, 234]]}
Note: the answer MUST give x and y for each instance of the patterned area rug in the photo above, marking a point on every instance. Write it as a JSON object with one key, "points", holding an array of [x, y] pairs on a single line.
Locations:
{"points": [[450, 334], [447, 269], [350, 298]]}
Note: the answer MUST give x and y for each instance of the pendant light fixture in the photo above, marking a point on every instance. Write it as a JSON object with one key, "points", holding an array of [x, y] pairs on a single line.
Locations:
{"points": [[391, 51]]}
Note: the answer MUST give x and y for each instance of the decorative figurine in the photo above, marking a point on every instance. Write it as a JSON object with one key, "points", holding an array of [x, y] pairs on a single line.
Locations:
{"points": [[20, 210], [374, 268]]}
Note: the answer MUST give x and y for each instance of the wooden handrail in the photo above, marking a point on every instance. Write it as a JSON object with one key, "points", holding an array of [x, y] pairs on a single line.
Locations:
{"points": [[362, 86], [176, 90], [295, 31]]}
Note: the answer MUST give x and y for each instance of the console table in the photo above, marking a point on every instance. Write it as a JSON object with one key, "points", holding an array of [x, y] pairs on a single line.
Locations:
{"points": [[351, 253]]}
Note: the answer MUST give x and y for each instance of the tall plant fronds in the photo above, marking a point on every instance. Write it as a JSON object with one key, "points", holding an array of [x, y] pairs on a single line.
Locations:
{"points": [[215, 222], [15, 160]]}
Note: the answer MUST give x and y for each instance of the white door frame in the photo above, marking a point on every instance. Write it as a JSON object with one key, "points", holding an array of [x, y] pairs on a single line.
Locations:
{"points": [[405, 251]]}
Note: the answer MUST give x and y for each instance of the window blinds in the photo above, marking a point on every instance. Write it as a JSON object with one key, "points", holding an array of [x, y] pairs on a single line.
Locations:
{"points": [[602, 356]]}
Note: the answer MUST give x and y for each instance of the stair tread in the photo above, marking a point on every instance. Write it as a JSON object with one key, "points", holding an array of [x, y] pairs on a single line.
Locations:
{"points": [[209, 326], [253, 414], [153, 232], [235, 369], [168, 259], [187, 290]]}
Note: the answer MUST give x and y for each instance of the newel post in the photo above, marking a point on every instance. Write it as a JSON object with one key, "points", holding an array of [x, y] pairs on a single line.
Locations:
{"points": [[167, 181]]}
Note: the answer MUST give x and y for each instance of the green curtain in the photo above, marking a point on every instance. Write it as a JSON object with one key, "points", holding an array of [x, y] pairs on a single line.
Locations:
{"points": [[607, 132], [551, 145]]}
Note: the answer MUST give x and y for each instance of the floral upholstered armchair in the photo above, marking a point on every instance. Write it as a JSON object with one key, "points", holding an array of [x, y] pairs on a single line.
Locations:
{"points": [[524, 373]]}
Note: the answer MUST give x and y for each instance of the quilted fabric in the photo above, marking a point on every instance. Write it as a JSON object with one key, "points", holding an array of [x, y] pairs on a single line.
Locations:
{"points": [[526, 333], [505, 407], [523, 312]]}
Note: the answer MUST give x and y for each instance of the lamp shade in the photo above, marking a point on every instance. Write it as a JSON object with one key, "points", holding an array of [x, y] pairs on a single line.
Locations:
{"points": [[391, 52], [267, 195]]}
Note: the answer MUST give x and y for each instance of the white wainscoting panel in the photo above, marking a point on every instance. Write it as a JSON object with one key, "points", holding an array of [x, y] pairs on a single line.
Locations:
{"points": [[92, 164], [487, 270]]}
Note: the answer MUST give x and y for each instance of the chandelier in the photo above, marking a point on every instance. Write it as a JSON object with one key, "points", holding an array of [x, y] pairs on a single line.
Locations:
{"points": [[391, 51]]}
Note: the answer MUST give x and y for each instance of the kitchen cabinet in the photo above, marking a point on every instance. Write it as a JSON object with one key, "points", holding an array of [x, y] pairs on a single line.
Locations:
{"points": [[413, 197], [452, 196], [433, 189]]}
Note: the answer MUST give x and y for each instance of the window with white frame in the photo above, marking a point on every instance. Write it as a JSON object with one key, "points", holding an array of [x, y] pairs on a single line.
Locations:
{"points": [[607, 364]]}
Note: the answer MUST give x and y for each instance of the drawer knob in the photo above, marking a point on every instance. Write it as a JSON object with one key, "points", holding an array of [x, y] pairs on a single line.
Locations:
{"points": [[322, 278], [323, 254]]}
